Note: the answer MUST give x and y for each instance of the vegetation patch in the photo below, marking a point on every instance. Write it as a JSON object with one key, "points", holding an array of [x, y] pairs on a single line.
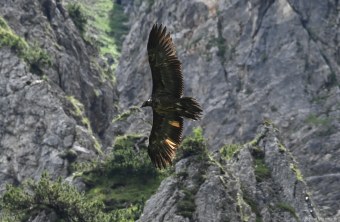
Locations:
{"points": [[297, 172], [262, 172], [32, 54], [288, 208], [253, 205], [229, 150], [312, 119], [78, 111], [125, 179], [282, 148], [76, 12], [22, 203], [193, 145], [186, 206], [107, 22], [126, 114]]}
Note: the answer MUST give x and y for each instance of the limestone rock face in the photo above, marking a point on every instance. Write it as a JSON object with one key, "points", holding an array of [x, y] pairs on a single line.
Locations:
{"points": [[248, 61], [235, 189], [245, 61], [39, 126]]}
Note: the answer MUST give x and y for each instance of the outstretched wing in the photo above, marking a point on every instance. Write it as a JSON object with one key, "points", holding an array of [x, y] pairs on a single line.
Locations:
{"points": [[165, 67], [166, 135]]}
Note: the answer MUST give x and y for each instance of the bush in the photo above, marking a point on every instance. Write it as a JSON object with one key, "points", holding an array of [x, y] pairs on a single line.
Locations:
{"points": [[186, 206], [229, 150], [68, 204], [37, 58], [32, 54], [193, 145], [78, 16]]}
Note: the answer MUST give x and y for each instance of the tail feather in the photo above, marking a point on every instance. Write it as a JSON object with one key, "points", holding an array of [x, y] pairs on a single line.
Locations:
{"points": [[189, 108]]}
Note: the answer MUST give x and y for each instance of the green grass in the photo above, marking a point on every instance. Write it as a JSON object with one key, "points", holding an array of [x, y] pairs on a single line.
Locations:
{"points": [[186, 206], [10, 39], [296, 171], [31, 53], [76, 12], [288, 208], [118, 190], [312, 119], [108, 20], [229, 150], [193, 145], [78, 111], [106, 26], [124, 180], [253, 205], [262, 172], [126, 114]]}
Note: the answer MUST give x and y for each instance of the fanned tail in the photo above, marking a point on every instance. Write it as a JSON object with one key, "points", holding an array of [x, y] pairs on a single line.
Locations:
{"points": [[188, 107]]}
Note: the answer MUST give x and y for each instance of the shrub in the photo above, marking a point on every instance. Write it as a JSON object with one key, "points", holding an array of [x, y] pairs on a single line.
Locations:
{"points": [[229, 150], [262, 172], [193, 144], [35, 56], [78, 16], [68, 204], [186, 206]]}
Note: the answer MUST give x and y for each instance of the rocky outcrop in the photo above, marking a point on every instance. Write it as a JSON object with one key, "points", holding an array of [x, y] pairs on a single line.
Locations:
{"points": [[247, 61], [53, 114], [255, 182], [244, 60]]}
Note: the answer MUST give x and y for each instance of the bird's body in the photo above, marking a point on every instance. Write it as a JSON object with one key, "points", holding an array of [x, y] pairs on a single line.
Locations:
{"points": [[167, 101]]}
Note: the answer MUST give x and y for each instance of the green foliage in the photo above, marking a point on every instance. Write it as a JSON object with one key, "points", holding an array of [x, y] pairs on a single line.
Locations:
{"points": [[62, 198], [107, 21], [229, 150], [126, 159], [125, 179], [78, 111], [253, 205], [297, 172], [118, 20], [288, 208], [282, 148], [10, 39], [312, 119], [3, 24], [32, 54], [37, 58], [262, 172], [193, 145], [186, 206], [126, 114], [78, 16]]}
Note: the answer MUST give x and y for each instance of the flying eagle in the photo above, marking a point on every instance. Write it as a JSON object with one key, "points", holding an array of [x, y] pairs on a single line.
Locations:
{"points": [[168, 105]]}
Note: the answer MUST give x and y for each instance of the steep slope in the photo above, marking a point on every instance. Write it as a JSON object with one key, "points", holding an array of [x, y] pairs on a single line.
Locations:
{"points": [[247, 61], [55, 101], [254, 182]]}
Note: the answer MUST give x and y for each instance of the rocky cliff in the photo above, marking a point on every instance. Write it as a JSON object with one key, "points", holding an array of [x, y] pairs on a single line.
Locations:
{"points": [[54, 99], [246, 61]]}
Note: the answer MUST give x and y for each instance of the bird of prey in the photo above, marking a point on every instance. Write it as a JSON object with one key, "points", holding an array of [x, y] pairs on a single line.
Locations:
{"points": [[167, 101]]}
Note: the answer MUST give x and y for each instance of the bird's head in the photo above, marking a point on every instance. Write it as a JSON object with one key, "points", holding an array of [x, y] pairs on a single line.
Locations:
{"points": [[147, 103]]}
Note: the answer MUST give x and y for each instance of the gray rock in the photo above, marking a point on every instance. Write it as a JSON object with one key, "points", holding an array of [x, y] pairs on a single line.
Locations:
{"points": [[247, 61], [226, 189]]}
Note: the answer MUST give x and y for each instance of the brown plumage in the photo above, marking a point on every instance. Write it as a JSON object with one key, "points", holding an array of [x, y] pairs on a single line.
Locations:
{"points": [[168, 105]]}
